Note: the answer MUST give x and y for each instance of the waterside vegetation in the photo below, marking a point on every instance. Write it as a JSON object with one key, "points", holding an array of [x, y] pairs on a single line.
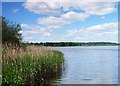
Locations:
{"points": [[59, 44], [24, 64], [32, 67]]}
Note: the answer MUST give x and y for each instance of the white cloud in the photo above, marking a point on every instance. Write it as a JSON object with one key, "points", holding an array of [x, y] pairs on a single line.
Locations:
{"points": [[75, 16], [31, 27], [58, 7], [46, 34], [42, 7], [95, 8], [102, 32], [60, 13], [52, 21], [33, 31], [58, 22], [102, 27]]}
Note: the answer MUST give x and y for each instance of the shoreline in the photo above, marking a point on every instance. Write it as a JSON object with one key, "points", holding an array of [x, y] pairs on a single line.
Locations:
{"points": [[84, 46]]}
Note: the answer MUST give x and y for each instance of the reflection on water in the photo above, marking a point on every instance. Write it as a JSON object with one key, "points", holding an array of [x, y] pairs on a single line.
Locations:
{"points": [[89, 65]]}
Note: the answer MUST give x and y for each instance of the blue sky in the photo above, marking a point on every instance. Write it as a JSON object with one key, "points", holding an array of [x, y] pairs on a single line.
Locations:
{"points": [[64, 21]]}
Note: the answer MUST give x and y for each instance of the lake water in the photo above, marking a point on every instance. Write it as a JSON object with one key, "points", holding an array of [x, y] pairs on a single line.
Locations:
{"points": [[89, 65]]}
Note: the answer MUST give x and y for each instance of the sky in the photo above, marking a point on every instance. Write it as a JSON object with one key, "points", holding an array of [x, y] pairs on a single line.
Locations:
{"points": [[64, 21]]}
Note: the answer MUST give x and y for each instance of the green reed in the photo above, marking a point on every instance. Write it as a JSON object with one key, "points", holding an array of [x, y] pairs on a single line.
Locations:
{"points": [[28, 68]]}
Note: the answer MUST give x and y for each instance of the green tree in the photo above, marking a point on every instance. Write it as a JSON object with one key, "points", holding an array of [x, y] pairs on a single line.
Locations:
{"points": [[11, 32]]}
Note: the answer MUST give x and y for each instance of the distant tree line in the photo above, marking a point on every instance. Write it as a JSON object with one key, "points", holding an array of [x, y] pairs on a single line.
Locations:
{"points": [[72, 43]]}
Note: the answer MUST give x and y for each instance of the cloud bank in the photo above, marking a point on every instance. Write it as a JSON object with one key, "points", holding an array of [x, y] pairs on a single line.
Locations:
{"points": [[59, 14]]}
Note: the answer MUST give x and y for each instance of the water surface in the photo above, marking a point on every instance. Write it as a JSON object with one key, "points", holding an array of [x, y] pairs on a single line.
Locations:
{"points": [[89, 65]]}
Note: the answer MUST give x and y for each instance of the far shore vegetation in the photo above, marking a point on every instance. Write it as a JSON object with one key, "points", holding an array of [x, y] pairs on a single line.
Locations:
{"points": [[24, 64], [62, 44]]}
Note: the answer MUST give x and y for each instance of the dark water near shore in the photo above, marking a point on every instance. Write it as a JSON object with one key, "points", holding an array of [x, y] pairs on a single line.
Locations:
{"points": [[89, 65]]}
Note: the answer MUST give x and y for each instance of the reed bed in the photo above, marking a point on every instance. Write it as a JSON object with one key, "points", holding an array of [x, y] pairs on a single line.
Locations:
{"points": [[32, 66]]}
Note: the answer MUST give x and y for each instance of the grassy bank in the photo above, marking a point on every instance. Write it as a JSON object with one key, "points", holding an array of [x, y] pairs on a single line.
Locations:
{"points": [[30, 67]]}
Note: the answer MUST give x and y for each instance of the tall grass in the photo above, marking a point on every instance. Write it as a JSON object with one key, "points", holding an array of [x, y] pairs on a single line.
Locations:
{"points": [[30, 67]]}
